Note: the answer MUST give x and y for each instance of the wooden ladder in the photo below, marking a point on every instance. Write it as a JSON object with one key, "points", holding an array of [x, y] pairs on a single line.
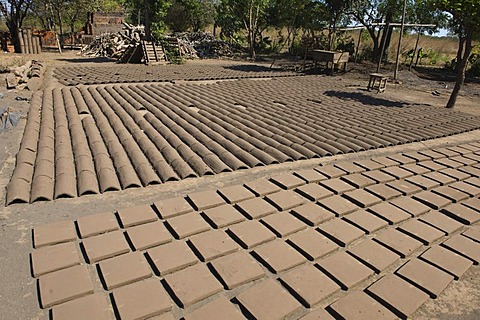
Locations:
{"points": [[150, 52]]}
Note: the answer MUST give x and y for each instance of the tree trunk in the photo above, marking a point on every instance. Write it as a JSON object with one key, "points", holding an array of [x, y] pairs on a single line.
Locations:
{"points": [[461, 66]]}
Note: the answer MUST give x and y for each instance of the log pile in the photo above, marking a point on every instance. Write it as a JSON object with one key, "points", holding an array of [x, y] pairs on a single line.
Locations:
{"points": [[202, 45], [114, 45]]}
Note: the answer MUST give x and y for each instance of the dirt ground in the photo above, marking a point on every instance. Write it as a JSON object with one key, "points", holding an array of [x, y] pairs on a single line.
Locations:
{"points": [[18, 294]]}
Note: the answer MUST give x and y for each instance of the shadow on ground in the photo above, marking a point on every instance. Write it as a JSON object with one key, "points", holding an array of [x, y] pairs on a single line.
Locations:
{"points": [[88, 60], [366, 99]]}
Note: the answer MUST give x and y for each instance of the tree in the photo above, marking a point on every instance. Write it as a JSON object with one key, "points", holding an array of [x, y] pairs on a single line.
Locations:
{"points": [[249, 14], [190, 14], [149, 13], [465, 21], [14, 12], [336, 12]]}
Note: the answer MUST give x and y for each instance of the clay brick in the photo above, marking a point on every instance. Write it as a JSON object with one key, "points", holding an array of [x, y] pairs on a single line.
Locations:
{"points": [[449, 163], [401, 159], [369, 164], [255, 208], [405, 187], [330, 171], [374, 255], [379, 176], [205, 199], [64, 285], [459, 149], [447, 260], [432, 154], [236, 194], [97, 224], [171, 257], [279, 256], [473, 181], [421, 231], [384, 192], [312, 214], [345, 269], [337, 185], [288, 181], [398, 242], [427, 277], [473, 233], [398, 172], [417, 156], [358, 305], [237, 269], [431, 199], [340, 231], [313, 192], [262, 187], [410, 205], [472, 171], [402, 297], [338, 205], [312, 244], [434, 166], [268, 293], [422, 182], [349, 167], [473, 203], [142, 300], [172, 207], [441, 178], [124, 269], [149, 235], [358, 180], [187, 225], [462, 213], [441, 222], [415, 169], [310, 175], [54, 258], [390, 213], [53, 233], [464, 246], [451, 194], [193, 284], [309, 285], [366, 221], [136, 215], [105, 246], [466, 187], [464, 160], [285, 200], [283, 224], [94, 306], [446, 152], [318, 314], [362, 198], [251, 234], [454, 173], [212, 310], [213, 244], [223, 216], [385, 161]]}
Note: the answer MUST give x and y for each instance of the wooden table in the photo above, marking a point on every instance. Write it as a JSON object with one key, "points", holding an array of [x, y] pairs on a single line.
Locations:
{"points": [[332, 57]]}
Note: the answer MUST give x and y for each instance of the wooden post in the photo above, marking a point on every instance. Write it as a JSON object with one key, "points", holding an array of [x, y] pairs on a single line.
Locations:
{"points": [[30, 42], [397, 61], [415, 50], [387, 28], [25, 41], [358, 45]]}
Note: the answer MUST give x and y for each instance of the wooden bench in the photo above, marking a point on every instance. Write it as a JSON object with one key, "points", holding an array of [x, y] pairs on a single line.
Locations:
{"points": [[377, 81]]}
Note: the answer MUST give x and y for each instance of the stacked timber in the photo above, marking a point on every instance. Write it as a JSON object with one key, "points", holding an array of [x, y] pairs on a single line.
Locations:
{"points": [[29, 43]]}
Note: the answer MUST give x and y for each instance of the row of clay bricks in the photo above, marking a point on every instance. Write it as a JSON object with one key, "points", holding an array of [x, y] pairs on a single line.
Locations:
{"points": [[104, 75], [277, 256], [118, 148]]}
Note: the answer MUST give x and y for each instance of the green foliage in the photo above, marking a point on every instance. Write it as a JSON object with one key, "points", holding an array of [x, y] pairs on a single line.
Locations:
{"points": [[190, 14]]}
